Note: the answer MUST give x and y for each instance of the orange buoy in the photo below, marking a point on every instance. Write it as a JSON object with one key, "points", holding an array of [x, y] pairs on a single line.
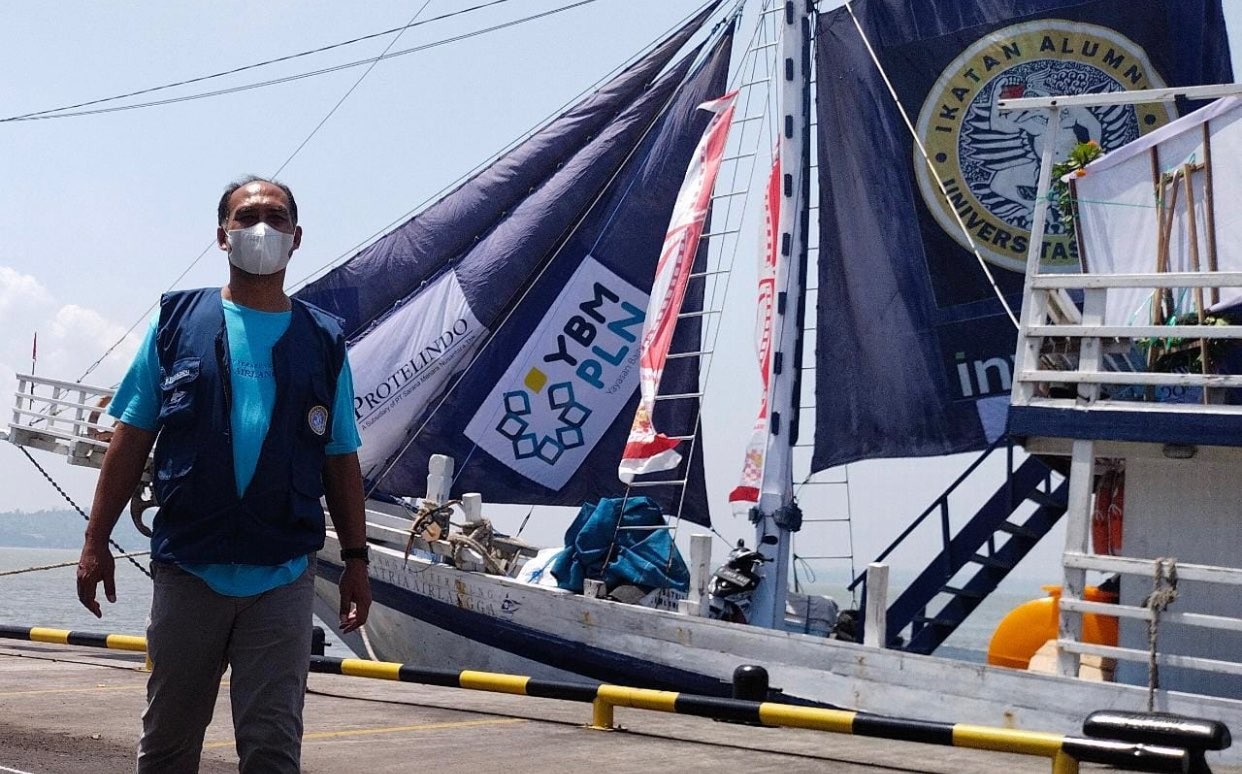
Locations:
{"points": [[1031, 624]]}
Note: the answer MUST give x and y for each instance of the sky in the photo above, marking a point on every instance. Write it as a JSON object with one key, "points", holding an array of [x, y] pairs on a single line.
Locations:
{"points": [[100, 214]]}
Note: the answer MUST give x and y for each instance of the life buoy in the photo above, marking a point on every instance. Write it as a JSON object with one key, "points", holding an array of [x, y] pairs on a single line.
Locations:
{"points": [[1110, 500]]}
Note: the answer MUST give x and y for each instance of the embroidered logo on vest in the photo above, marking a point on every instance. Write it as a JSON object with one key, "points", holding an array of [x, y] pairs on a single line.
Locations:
{"points": [[317, 419]]}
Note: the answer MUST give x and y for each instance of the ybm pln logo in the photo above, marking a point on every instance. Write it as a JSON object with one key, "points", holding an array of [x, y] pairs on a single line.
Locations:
{"points": [[569, 382], [988, 160]]}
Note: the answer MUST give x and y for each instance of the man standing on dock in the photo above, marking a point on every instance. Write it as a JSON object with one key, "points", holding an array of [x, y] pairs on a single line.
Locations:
{"points": [[247, 397]]}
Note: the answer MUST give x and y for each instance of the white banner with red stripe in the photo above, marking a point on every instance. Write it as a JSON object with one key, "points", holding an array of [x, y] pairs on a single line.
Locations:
{"points": [[648, 451], [746, 494]]}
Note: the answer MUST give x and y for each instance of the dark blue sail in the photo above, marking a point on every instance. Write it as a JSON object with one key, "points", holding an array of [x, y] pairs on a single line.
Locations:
{"points": [[389, 270], [914, 351], [500, 326]]}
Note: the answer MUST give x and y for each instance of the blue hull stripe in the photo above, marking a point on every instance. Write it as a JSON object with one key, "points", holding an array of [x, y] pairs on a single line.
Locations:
{"points": [[558, 652], [1120, 425]]}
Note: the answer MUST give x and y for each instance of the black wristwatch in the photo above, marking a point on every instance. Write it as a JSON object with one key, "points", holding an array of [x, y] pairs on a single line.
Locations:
{"points": [[363, 553]]}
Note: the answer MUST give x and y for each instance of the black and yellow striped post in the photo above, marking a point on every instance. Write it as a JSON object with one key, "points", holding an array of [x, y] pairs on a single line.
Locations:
{"points": [[129, 642], [1065, 752]]}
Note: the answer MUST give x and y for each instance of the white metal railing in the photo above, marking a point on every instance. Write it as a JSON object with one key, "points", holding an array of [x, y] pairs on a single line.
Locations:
{"points": [[1085, 355], [1145, 568], [62, 417]]}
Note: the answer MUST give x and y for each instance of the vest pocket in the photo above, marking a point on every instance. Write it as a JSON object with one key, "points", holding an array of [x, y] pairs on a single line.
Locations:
{"points": [[177, 388], [307, 485], [172, 474]]}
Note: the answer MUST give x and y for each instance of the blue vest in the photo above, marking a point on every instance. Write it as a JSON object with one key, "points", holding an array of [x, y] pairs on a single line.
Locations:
{"points": [[201, 518]]}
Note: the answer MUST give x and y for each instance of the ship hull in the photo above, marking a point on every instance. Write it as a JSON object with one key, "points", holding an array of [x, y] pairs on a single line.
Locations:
{"points": [[433, 615]]}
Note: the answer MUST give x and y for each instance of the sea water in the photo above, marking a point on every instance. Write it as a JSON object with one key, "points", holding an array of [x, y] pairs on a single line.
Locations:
{"points": [[969, 642], [50, 598]]}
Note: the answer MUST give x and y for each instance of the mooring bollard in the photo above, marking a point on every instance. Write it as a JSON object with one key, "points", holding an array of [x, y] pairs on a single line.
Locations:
{"points": [[1195, 735], [318, 639], [750, 683]]}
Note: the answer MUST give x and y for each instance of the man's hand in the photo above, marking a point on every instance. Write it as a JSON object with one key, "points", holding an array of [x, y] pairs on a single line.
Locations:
{"points": [[122, 472], [355, 595], [96, 564], [342, 483]]}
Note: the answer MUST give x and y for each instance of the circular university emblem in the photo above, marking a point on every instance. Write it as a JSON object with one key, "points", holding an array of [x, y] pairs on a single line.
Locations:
{"points": [[989, 161], [317, 419]]}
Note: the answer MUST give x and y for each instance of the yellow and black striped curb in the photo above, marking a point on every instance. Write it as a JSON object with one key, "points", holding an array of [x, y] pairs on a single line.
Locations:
{"points": [[1065, 751], [65, 637]]}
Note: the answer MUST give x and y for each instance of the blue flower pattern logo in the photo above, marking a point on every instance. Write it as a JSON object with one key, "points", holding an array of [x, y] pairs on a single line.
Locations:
{"points": [[570, 414]]}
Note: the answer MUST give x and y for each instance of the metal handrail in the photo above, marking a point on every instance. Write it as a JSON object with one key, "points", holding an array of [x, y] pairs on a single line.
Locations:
{"points": [[941, 503]]}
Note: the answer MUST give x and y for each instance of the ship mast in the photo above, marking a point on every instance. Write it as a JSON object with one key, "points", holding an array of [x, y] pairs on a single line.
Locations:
{"points": [[777, 515]]}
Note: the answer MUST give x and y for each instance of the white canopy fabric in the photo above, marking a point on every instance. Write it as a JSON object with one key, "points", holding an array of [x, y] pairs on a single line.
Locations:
{"points": [[1118, 214]]}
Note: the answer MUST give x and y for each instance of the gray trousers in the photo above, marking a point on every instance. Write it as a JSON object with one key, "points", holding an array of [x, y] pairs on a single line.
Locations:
{"points": [[193, 635]]}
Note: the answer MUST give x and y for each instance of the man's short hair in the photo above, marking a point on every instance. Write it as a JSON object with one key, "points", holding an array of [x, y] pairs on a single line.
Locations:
{"points": [[222, 209]]}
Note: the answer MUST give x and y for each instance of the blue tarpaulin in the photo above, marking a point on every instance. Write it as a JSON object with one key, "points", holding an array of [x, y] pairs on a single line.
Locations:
{"points": [[596, 548]]}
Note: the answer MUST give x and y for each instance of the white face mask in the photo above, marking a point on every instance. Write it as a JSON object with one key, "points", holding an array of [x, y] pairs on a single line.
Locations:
{"points": [[260, 249]]}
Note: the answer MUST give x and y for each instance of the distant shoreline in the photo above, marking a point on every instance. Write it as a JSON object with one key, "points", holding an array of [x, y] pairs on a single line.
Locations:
{"points": [[58, 529]]}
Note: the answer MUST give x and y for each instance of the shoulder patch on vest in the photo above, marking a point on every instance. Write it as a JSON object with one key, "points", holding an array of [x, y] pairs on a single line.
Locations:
{"points": [[317, 419]]}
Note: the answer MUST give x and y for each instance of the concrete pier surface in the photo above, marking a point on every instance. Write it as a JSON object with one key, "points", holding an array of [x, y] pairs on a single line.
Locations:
{"points": [[66, 709]]}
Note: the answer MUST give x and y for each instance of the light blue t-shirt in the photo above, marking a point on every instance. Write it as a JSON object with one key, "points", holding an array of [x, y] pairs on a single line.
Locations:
{"points": [[252, 334]]}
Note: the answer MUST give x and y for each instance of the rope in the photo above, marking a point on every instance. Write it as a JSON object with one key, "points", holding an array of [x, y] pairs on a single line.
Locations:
{"points": [[243, 68], [300, 76], [351, 89], [59, 565], [532, 282], [1052, 199], [1163, 593], [974, 248], [69, 500], [459, 541]]}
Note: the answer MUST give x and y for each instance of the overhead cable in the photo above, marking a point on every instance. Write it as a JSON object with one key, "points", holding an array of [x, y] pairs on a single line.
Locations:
{"points": [[298, 76], [411, 23], [244, 68]]}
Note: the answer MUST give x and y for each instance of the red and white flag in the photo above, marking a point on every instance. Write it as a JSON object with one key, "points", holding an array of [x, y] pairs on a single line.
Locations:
{"points": [[746, 494], [648, 451]]}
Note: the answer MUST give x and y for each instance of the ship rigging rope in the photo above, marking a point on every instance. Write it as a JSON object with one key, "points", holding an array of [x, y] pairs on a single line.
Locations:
{"points": [[69, 499], [733, 14], [351, 89], [918, 142], [72, 112], [496, 155], [709, 343], [387, 465], [1163, 594], [286, 162], [60, 565], [146, 313]]}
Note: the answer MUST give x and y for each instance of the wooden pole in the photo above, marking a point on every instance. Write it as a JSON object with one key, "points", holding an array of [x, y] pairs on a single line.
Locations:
{"points": [[1209, 205], [1157, 184], [1192, 224]]}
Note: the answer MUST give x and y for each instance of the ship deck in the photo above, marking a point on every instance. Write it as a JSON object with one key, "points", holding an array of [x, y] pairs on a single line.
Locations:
{"points": [[67, 709]]}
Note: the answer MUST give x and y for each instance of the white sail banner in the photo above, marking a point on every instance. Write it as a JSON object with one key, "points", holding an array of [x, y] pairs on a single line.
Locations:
{"points": [[1118, 227], [405, 362], [646, 450], [746, 494], [569, 382]]}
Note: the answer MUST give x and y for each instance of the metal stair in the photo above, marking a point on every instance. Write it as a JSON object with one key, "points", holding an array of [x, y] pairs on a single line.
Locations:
{"points": [[992, 543]]}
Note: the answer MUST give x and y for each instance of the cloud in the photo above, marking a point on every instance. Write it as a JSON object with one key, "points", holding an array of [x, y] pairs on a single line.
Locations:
{"points": [[20, 295], [71, 337]]}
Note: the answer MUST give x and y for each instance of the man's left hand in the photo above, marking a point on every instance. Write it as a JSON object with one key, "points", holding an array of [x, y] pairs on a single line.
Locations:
{"points": [[355, 595]]}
